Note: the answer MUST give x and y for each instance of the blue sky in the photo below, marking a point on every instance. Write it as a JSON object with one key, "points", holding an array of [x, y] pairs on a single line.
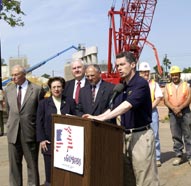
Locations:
{"points": [[52, 26]]}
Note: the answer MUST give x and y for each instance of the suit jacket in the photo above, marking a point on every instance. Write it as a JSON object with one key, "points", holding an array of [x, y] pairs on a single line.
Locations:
{"points": [[44, 115], [69, 88], [26, 117], [101, 102]]}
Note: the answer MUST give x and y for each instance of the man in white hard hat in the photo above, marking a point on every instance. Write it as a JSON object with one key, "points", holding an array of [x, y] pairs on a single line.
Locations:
{"points": [[156, 96], [177, 95]]}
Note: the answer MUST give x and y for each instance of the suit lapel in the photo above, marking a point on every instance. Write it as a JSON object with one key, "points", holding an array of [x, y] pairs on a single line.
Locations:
{"points": [[14, 96], [71, 87], [89, 96], [99, 96], [88, 91]]}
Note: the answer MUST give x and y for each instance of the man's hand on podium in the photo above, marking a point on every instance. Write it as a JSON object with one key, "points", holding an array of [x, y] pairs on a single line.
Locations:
{"points": [[88, 116], [99, 117]]}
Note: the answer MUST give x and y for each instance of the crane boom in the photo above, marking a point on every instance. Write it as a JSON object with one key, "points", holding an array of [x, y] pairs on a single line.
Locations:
{"points": [[30, 69], [156, 56], [50, 58]]}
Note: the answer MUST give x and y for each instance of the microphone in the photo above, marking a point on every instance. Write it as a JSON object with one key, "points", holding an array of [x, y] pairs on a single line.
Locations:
{"points": [[116, 90]]}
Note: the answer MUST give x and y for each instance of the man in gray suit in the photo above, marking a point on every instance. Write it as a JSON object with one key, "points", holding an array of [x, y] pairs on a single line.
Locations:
{"points": [[21, 99]]}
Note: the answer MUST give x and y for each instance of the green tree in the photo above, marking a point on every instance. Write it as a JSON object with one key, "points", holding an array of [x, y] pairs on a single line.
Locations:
{"points": [[156, 69], [2, 61], [187, 70], [46, 76], [157, 74], [11, 13], [167, 64]]}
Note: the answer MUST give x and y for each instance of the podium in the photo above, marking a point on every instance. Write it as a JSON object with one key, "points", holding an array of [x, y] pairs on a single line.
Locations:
{"points": [[103, 154]]}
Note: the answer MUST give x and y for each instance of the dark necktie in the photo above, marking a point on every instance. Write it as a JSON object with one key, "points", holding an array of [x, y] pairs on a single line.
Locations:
{"points": [[77, 92], [93, 93], [19, 98]]}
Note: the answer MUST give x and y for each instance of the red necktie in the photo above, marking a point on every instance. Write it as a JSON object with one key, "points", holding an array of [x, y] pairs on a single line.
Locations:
{"points": [[19, 98], [77, 92]]}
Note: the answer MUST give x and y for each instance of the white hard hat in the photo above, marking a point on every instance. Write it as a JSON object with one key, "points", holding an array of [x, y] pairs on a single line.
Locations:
{"points": [[144, 66]]}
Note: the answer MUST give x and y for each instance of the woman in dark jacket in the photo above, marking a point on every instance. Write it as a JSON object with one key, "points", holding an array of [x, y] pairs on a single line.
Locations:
{"points": [[55, 104]]}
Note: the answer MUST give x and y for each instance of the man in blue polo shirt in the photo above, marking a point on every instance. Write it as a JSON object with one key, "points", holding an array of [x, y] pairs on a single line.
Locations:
{"points": [[135, 108]]}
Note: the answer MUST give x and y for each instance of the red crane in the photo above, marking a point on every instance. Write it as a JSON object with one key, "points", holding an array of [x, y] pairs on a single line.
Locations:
{"points": [[134, 24]]}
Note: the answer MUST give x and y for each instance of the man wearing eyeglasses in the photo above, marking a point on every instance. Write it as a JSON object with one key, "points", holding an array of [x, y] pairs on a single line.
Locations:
{"points": [[21, 99]]}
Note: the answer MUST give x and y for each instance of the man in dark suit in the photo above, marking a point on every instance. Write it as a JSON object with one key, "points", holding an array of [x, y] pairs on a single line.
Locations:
{"points": [[94, 98], [78, 72], [21, 100]]}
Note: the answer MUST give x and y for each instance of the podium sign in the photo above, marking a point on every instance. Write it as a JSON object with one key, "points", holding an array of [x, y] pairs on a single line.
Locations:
{"points": [[69, 147], [94, 145]]}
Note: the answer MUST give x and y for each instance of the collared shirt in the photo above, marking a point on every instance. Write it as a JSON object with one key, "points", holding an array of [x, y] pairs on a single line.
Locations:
{"points": [[137, 93], [23, 90], [82, 84], [57, 102]]}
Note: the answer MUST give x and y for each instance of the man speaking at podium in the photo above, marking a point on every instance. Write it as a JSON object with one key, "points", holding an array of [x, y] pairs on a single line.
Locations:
{"points": [[135, 108]]}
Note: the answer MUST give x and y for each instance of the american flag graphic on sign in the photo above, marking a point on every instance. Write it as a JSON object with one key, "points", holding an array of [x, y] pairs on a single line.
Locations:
{"points": [[69, 147], [59, 141]]}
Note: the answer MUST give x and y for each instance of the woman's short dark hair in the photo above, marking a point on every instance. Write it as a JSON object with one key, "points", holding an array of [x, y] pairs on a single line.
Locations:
{"points": [[52, 79]]}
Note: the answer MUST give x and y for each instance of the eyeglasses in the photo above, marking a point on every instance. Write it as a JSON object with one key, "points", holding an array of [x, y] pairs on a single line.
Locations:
{"points": [[17, 74]]}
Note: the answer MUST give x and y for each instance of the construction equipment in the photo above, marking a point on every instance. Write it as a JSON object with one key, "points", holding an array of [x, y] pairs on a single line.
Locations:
{"points": [[156, 56], [43, 62], [134, 20]]}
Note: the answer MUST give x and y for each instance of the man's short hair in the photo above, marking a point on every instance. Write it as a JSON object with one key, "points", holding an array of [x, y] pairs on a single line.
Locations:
{"points": [[96, 66], [77, 59], [20, 67], [130, 57]]}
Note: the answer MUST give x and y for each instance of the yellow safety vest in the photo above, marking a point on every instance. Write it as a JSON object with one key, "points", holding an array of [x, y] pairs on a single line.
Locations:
{"points": [[152, 85]]}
